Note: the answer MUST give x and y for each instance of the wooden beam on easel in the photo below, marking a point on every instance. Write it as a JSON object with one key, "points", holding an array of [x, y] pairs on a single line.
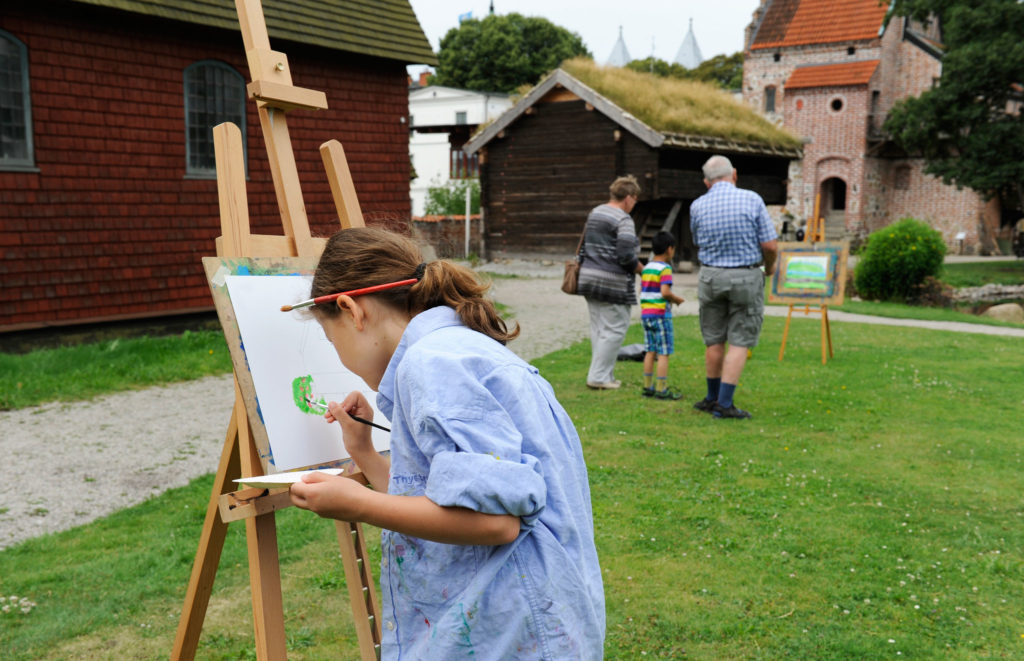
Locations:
{"points": [[272, 79], [342, 189], [826, 329], [274, 94], [816, 232]]}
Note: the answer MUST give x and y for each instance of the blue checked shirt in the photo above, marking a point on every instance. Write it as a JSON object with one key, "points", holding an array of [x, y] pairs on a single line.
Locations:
{"points": [[474, 426], [729, 225]]}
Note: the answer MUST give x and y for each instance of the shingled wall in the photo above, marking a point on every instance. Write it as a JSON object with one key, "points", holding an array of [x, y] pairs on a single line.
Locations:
{"points": [[109, 226]]}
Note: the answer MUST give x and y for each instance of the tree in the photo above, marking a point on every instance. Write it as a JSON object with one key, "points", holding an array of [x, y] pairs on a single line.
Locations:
{"points": [[503, 52], [969, 128], [658, 67], [726, 71]]}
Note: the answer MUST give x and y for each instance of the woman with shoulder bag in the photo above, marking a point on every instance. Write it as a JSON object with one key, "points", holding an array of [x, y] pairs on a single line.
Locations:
{"points": [[606, 278]]}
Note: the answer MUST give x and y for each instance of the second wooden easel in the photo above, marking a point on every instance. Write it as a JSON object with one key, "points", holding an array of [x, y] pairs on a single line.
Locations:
{"points": [[815, 234], [812, 289], [272, 89]]}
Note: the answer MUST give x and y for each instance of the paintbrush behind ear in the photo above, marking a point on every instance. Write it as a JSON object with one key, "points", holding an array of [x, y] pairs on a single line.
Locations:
{"points": [[319, 300]]}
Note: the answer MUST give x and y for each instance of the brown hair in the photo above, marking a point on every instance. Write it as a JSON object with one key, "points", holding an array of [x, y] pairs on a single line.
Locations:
{"points": [[623, 187], [365, 256]]}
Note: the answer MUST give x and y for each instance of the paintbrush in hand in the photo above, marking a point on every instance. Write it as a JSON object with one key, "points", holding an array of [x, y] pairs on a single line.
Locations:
{"points": [[323, 409]]}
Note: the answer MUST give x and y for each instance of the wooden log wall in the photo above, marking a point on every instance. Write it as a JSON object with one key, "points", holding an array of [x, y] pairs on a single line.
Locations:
{"points": [[552, 166], [543, 174]]}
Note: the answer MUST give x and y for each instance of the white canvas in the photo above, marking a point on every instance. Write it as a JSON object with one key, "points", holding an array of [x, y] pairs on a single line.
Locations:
{"points": [[281, 347]]}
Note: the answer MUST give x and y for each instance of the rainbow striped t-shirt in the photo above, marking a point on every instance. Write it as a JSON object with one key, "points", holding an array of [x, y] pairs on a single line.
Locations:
{"points": [[654, 275]]}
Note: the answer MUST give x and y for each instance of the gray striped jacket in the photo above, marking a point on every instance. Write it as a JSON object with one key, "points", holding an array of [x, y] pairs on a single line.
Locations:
{"points": [[609, 256]]}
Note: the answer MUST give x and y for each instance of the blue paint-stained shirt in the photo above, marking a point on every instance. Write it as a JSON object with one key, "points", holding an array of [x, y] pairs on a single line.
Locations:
{"points": [[474, 426], [729, 225]]}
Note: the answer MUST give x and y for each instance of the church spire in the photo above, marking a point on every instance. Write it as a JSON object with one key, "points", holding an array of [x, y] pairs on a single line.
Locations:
{"points": [[689, 53], [620, 56]]}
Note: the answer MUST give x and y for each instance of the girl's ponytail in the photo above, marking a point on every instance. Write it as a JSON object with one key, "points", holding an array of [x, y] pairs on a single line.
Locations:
{"points": [[445, 283], [364, 256]]}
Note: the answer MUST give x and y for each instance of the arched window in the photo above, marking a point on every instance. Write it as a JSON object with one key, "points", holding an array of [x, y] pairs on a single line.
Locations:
{"points": [[769, 98], [16, 150], [214, 94]]}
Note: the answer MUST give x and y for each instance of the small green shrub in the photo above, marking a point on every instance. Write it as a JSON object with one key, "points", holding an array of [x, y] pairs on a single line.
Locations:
{"points": [[449, 199], [897, 259]]}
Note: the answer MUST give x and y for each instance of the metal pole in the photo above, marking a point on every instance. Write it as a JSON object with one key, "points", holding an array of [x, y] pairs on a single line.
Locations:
{"points": [[469, 188]]}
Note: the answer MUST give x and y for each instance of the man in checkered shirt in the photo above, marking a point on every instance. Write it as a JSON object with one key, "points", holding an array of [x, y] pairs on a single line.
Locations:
{"points": [[734, 237]]}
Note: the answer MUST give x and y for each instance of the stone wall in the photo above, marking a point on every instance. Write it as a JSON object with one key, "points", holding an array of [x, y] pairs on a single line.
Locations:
{"points": [[446, 235]]}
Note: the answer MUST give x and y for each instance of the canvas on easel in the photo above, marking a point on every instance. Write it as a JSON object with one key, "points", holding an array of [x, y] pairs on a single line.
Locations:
{"points": [[285, 360], [243, 454]]}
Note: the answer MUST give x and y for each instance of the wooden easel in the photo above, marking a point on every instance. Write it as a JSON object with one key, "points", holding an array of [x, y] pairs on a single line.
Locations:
{"points": [[826, 329], [816, 230], [272, 89]]}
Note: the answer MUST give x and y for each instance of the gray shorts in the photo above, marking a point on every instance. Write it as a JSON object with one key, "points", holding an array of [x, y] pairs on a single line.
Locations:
{"points": [[731, 305]]}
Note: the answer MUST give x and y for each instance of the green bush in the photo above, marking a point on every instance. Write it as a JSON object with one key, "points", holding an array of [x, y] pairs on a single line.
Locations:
{"points": [[450, 199], [896, 260]]}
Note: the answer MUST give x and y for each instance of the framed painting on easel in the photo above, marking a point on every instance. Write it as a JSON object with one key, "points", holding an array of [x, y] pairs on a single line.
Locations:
{"points": [[810, 273]]}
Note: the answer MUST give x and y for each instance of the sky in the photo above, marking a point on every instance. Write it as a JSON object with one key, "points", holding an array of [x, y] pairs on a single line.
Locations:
{"points": [[646, 24]]}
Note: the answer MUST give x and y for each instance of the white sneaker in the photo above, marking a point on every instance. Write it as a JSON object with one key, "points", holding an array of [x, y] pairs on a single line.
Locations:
{"points": [[609, 385]]}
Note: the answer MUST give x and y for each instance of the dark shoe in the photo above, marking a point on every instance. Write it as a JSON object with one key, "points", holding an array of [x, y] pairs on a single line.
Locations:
{"points": [[731, 412], [647, 392], [705, 405], [668, 393]]}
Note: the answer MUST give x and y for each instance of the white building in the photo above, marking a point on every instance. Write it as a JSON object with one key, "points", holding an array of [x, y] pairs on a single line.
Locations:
{"points": [[441, 119]]}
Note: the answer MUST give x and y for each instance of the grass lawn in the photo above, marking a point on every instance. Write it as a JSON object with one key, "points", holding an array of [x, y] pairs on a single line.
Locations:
{"points": [[871, 509], [976, 274], [960, 274], [80, 372], [901, 311]]}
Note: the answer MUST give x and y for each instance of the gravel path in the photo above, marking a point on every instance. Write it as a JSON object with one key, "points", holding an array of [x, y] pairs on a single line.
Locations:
{"points": [[69, 463]]}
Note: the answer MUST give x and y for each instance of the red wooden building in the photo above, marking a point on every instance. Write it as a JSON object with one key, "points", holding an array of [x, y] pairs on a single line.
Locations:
{"points": [[108, 196]]}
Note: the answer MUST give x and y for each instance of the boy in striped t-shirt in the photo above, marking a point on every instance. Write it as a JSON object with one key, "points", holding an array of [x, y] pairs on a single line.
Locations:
{"points": [[656, 300]]}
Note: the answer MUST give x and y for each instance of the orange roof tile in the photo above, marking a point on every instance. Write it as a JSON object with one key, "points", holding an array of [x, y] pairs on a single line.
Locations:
{"points": [[832, 75], [802, 22]]}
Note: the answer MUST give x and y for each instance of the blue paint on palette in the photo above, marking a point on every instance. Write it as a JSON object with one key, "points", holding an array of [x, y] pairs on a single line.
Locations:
{"points": [[243, 270]]}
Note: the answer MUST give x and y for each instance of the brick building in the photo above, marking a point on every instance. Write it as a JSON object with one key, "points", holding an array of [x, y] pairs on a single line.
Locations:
{"points": [[830, 72], [108, 196]]}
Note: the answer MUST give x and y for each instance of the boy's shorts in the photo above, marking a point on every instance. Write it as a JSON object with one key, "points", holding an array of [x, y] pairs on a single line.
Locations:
{"points": [[658, 335]]}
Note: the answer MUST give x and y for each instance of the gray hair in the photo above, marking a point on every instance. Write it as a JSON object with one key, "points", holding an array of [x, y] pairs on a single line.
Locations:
{"points": [[717, 167]]}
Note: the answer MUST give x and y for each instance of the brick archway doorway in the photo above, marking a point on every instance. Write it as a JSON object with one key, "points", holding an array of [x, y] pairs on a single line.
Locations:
{"points": [[833, 208]]}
